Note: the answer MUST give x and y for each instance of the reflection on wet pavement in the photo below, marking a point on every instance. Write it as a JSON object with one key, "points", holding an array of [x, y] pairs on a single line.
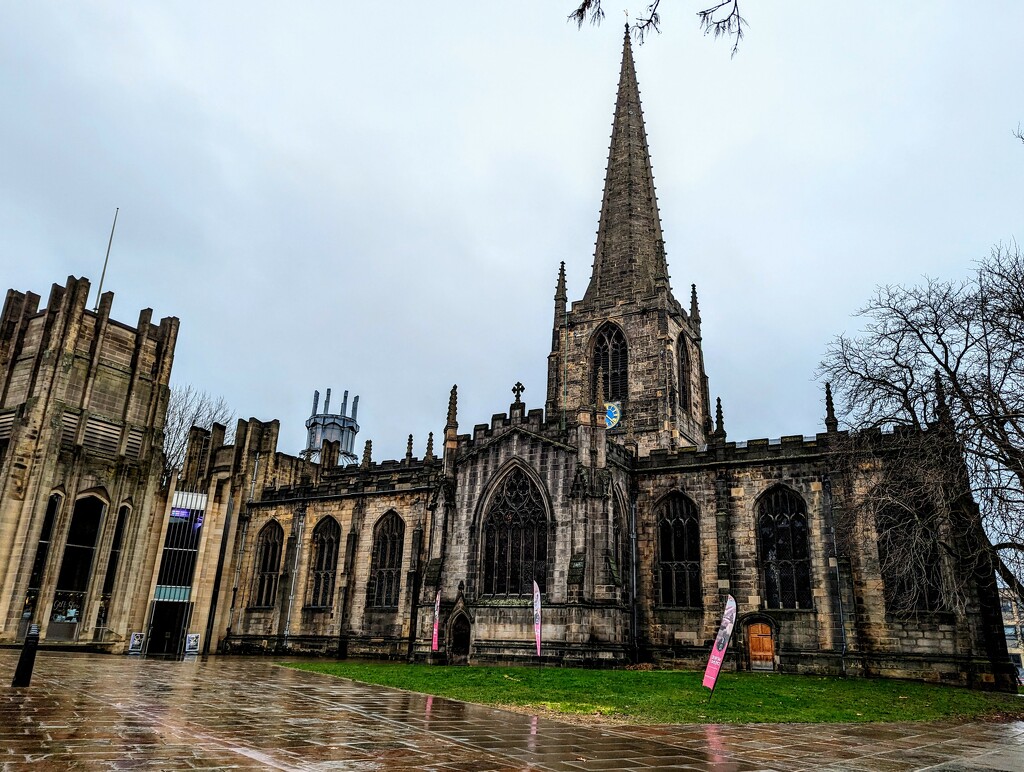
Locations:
{"points": [[105, 712]]}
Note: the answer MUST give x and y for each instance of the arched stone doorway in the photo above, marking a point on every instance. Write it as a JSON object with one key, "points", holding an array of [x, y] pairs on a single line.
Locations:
{"points": [[460, 639], [760, 646]]}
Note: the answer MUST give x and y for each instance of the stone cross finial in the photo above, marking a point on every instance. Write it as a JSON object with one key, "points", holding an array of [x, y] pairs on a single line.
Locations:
{"points": [[518, 390]]}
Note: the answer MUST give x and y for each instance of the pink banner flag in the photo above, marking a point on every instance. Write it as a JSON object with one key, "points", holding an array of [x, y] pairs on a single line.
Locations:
{"points": [[437, 619], [536, 616], [721, 644]]}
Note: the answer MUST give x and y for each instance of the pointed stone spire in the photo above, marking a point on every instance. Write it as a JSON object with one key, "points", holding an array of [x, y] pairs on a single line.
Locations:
{"points": [[629, 257], [719, 434], [453, 407], [408, 450], [367, 454], [694, 308], [429, 455], [831, 424], [560, 292]]}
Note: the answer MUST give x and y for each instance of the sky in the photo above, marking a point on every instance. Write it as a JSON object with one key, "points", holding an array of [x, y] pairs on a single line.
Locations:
{"points": [[377, 197]]}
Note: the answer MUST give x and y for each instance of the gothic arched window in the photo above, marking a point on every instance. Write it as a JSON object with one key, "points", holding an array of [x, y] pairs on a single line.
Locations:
{"points": [[386, 563], [783, 549], [679, 552], [515, 539], [324, 563], [684, 374], [611, 363], [268, 564], [908, 556]]}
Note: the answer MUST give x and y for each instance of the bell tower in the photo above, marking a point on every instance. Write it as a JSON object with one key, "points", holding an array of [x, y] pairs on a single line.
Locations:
{"points": [[629, 340]]}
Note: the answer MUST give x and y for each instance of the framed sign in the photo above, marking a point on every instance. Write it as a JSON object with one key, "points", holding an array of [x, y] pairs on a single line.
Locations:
{"points": [[135, 643], [192, 643]]}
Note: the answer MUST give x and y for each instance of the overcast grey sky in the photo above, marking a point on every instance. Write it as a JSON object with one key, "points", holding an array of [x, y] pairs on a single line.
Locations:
{"points": [[376, 197]]}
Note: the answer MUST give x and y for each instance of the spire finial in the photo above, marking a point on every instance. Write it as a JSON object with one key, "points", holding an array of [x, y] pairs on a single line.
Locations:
{"points": [[831, 424], [694, 308], [560, 292], [408, 449], [429, 455], [719, 433], [453, 406], [367, 454]]}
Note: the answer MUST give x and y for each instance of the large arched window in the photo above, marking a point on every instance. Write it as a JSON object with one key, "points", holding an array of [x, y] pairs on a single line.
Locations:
{"points": [[684, 374], [35, 581], [908, 556], [610, 362], [782, 546], [324, 563], [386, 563], [268, 564], [679, 552], [76, 567], [515, 539]]}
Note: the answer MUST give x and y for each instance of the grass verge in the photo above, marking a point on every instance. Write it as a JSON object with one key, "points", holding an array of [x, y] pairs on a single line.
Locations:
{"points": [[677, 697]]}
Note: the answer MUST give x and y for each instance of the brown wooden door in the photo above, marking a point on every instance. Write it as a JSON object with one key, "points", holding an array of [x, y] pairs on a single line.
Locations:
{"points": [[761, 646]]}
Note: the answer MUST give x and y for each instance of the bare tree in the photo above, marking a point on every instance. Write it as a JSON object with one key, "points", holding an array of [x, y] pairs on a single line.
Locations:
{"points": [[949, 354], [719, 20], [188, 407]]}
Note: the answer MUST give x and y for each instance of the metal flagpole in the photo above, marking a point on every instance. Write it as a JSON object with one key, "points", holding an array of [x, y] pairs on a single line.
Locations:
{"points": [[103, 275]]}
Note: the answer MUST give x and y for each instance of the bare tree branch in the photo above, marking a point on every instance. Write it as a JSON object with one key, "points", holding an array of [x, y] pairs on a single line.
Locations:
{"points": [[720, 20], [188, 407]]}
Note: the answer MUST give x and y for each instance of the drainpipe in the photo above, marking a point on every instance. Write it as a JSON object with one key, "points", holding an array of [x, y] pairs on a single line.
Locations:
{"points": [[835, 560], [633, 574], [300, 523]]}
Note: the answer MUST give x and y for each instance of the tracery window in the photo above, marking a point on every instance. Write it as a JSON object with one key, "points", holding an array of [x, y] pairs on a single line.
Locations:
{"points": [[386, 563], [684, 374], [908, 555], [324, 563], [679, 552], [515, 539], [783, 549], [268, 564], [611, 362]]}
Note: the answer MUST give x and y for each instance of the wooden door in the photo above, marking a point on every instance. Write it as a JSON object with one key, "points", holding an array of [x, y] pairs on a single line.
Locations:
{"points": [[761, 647]]}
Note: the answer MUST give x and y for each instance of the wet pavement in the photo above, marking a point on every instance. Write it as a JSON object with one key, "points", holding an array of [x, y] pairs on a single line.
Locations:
{"points": [[107, 712]]}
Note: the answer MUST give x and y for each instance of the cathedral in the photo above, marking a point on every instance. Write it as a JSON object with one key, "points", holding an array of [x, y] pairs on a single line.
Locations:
{"points": [[620, 499]]}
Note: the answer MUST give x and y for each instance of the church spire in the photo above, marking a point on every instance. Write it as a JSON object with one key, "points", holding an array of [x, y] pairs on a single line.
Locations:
{"points": [[629, 258]]}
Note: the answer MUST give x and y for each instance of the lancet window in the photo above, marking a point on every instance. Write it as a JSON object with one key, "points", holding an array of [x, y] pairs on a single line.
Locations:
{"points": [[679, 552], [515, 539], [386, 563], [324, 563], [610, 363], [783, 549], [684, 374]]}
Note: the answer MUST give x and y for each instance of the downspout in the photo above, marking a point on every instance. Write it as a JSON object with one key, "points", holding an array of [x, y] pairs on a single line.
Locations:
{"points": [[835, 560], [300, 514], [633, 572]]}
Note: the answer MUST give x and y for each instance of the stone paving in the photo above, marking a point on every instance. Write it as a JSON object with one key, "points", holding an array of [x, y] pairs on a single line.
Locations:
{"points": [[106, 712]]}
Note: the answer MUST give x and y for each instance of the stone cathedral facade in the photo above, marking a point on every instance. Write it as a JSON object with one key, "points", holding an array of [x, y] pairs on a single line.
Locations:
{"points": [[635, 534]]}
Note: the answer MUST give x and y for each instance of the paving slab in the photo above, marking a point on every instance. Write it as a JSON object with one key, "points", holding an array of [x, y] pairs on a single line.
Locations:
{"points": [[91, 711]]}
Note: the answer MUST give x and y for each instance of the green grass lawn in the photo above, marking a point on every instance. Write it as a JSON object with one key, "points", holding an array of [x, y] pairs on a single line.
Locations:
{"points": [[677, 697]]}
